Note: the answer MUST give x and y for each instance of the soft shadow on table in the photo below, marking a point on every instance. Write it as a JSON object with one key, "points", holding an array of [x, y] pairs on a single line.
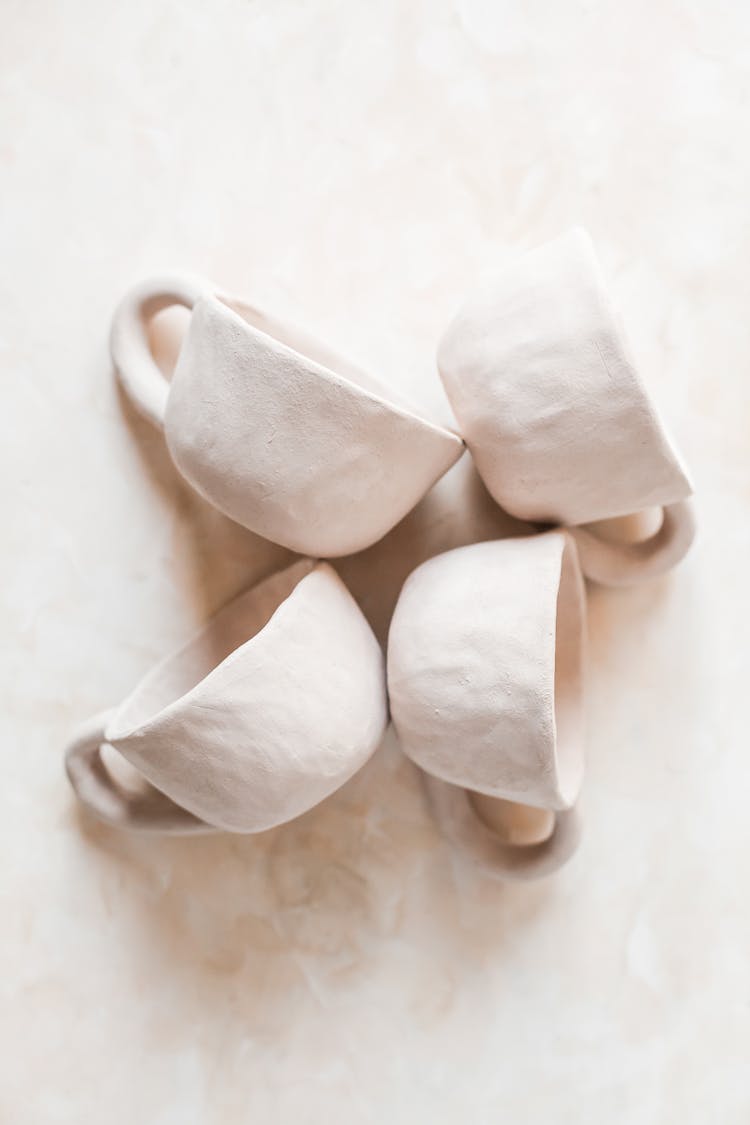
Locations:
{"points": [[305, 909], [220, 557], [215, 557], [310, 905], [299, 915]]}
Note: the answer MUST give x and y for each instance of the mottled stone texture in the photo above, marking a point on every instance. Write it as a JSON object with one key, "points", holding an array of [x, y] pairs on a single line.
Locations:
{"points": [[355, 167]]}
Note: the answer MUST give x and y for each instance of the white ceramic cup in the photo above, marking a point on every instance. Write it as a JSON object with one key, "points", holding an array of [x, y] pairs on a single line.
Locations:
{"points": [[560, 426], [485, 682], [273, 428], [276, 703]]}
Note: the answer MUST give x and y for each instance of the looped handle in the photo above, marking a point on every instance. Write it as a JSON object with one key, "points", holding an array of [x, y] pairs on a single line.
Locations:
{"points": [[461, 824], [136, 368], [624, 564], [102, 795]]}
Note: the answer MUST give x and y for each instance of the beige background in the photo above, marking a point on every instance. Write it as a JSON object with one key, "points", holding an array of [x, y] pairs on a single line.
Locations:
{"points": [[354, 165]]}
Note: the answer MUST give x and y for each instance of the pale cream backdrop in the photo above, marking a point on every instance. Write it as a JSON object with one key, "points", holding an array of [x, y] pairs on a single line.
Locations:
{"points": [[354, 165]]}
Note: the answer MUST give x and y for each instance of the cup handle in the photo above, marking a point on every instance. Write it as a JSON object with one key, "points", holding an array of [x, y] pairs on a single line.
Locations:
{"points": [[460, 823], [624, 564], [137, 371], [100, 793]]}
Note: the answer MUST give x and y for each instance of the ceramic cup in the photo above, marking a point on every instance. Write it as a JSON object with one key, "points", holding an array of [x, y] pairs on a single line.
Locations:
{"points": [[485, 681], [561, 427], [273, 706], [273, 428]]}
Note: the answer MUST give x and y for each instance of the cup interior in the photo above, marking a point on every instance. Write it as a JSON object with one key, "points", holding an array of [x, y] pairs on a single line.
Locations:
{"points": [[569, 673], [241, 621], [306, 347]]}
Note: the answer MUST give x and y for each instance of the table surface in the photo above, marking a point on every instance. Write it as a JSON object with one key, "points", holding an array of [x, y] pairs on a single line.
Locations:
{"points": [[354, 166]]}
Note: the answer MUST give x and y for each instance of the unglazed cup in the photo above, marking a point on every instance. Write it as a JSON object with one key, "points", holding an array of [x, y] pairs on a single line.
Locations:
{"points": [[273, 428], [485, 682], [559, 423], [269, 709]]}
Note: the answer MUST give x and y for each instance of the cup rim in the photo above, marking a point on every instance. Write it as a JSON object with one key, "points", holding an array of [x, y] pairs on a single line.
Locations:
{"points": [[222, 301], [569, 773], [306, 567]]}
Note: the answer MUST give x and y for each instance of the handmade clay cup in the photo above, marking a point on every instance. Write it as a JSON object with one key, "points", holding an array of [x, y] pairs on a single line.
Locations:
{"points": [[561, 427], [273, 706], [485, 681], [273, 428]]}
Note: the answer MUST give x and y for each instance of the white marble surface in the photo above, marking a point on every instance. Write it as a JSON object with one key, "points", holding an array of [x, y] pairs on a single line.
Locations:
{"points": [[353, 165]]}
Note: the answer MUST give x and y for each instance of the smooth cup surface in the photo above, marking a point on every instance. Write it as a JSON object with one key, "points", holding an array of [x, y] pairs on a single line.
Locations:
{"points": [[485, 669], [273, 706], [548, 399]]}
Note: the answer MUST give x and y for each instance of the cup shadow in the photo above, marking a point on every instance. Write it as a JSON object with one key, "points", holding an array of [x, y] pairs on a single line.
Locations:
{"points": [[302, 909], [218, 558], [295, 917]]}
